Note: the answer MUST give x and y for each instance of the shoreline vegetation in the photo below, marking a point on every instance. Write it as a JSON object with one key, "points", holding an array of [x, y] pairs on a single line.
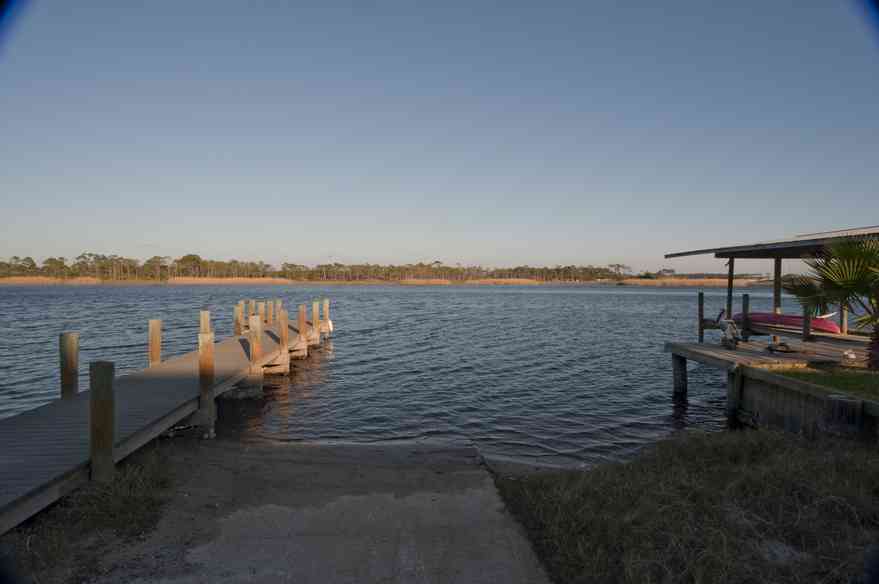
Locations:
{"points": [[191, 269], [740, 506], [280, 281]]}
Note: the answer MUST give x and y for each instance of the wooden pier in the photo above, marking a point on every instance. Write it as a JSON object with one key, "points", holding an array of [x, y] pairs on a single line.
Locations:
{"points": [[50, 450]]}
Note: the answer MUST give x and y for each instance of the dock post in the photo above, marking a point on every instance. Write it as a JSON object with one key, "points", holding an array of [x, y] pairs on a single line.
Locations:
{"points": [[279, 305], [776, 293], [261, 312], [326, 325], [255, 374], [282, 363], [701, 316], [237, 320], [300, 347], [207, 409], [679, 371], [251, 310], [314, 339], [807, 324], [68, 347], [729, 287], [735, 380], [155, 342], [270, 312], [843, 319], [204, 321], [746, 316], [102, 409]]}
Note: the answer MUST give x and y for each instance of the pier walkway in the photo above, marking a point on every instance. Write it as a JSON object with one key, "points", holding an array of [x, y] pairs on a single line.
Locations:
{"points": [[46, 452]]}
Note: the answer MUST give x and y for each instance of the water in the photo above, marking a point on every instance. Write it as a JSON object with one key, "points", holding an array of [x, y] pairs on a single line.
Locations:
{"points": [[551, 375]]}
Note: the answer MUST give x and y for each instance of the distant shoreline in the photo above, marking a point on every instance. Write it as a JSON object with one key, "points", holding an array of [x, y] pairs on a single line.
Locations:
{"points": [[187, 281]]}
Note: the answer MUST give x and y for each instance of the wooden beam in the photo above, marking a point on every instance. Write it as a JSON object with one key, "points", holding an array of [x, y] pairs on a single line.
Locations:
{"points": [[701, 316], [68, 348], [776, 291], [746, 316], [207, 408], [843, 319], [204, 321], [102, 413], [238, 320], [807, 324]]}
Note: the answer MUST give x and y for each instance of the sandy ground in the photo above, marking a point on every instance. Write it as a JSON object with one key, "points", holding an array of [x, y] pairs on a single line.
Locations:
{"points": [[328, 514]]}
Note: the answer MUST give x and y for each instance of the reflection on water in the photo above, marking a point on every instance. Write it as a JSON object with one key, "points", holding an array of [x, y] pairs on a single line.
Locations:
{"points": [[555, 375]]}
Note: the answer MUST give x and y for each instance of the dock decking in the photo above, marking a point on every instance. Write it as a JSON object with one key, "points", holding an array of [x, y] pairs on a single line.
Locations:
{"points": [[46, 453]]}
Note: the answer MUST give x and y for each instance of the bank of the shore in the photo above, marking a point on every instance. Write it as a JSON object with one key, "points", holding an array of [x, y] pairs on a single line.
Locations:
{"points": [[652, 283], [750, 506]]}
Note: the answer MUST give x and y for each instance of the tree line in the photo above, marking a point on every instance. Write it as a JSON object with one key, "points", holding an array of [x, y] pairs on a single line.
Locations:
{"points": [[161, 268]]}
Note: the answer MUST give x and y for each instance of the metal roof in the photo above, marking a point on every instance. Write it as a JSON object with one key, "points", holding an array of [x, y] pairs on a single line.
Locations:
{"points": [[798, 246]]}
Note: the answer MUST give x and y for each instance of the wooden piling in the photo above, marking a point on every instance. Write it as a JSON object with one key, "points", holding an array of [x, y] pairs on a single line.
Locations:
{"points": [[68, 348], [729, 287], [776, 292], [238, 320], [746, 316], [204, 321], [315, 323], [252, 310], [807, 324], [261, 311], [270, 312], [207, 409], [255, 339], [701, 316], [326, 325], [283, 329], [102, 409], [843, 319], [155, 342], [735, 381], [679, 371]]}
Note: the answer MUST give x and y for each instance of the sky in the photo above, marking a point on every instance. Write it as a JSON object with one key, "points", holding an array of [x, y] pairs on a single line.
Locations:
{"points": [[495, 133]]}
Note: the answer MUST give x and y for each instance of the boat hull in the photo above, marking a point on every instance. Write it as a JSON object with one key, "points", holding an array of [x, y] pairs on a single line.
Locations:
{"points": [[822, 325]]}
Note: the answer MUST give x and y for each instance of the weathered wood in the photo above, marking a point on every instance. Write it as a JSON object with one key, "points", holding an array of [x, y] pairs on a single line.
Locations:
{"points": [[270, 312], [314, 338], [776, 291], [252, 310], [204, 321], [155, 342], [102, 414], [207, 409], [261, 311], [843, 319], [807, 324], [238, 320], [68, 348], [734, 384], [255, 339], [326, 325], [746, 316], [283, 328], [701, 316], [679, 371], [729, 287]]}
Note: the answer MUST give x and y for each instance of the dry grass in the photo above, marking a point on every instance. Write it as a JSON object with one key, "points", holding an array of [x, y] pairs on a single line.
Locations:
{"points": [[858, 382], [730, 507], [65, 542], [700, 282], [504, 282]]}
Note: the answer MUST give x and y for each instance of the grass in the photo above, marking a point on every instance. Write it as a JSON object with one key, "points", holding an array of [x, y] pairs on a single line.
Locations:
{"points": [[64, 543], [858, 382], [752, 506]]}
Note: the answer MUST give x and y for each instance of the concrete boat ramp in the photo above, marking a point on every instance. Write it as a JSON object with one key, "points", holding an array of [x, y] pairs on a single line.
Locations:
{"points": [[310, 513]]}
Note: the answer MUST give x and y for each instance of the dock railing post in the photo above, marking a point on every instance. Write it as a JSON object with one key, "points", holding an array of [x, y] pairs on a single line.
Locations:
{"points": [[261, 312], [155, 342], [270, 312], [326, 325], [102, 422], [807, 324], [68, 347], [776, 293], [204, 321], [207, 409], [315, 323], [251, 310], [746, 316], [237, 321], [284, 329], [729, 287], [843, 319], [701, 316], [255, 339]]}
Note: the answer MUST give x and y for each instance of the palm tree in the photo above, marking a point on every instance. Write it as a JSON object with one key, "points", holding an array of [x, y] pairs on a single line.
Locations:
{"points": [[845, 274]]}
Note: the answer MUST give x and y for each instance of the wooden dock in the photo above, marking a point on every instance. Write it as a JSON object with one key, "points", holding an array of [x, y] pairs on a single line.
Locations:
{"points": [[50, 450]]}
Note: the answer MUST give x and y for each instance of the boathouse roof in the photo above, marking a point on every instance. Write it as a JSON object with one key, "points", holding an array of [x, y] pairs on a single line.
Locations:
{"points": [[807, 244]]}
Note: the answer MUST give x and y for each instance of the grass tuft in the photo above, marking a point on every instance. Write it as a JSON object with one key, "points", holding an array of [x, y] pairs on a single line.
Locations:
{"points": [[753, 506]]}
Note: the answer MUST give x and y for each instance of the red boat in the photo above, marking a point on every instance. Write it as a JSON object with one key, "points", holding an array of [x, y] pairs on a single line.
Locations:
{"points": [[819, 324]]}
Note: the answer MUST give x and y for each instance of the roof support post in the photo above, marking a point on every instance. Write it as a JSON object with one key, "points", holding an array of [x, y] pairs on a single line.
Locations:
{"points": [[776, 292], [729, 284]]}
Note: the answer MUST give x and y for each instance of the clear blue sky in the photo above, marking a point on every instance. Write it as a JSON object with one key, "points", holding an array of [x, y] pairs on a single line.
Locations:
{"points": [[479, 132]]}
